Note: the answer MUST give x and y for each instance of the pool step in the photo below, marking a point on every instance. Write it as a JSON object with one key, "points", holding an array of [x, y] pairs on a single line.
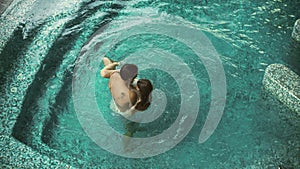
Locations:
{"points": [[4, 4], [283, 84]]}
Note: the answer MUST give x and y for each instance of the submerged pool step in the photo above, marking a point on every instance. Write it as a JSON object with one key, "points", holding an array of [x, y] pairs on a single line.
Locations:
{"points": [[284, 84], [3, 5], [17, 155]]}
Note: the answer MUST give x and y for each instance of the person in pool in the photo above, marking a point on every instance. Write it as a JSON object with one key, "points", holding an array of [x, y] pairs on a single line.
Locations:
{"points": [[130, 95]]}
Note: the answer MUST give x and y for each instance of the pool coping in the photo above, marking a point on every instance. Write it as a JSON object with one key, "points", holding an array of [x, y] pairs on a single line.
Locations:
{"points": [[283, 84]]}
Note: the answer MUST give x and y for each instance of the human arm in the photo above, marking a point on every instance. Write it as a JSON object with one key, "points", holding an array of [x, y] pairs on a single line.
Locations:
{"points": [[108, 70]]}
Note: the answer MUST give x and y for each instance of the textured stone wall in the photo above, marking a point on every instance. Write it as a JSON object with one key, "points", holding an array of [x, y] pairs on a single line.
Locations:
{"points": [[296, 31], [284, 85]]}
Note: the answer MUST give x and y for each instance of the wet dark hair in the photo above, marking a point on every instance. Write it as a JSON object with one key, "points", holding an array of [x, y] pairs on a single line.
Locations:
{"points": [[145, 89], [128, 71]]}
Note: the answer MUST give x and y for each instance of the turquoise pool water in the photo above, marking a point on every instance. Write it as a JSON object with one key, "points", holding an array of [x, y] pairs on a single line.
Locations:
{"points": [[256, 131]]}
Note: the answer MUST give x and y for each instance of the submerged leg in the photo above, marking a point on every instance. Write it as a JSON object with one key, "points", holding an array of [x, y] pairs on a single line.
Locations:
{"points": [[131, 128]]}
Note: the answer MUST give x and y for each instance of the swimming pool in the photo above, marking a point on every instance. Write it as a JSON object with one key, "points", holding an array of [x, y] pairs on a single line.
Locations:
{"points": [[43, 42]]}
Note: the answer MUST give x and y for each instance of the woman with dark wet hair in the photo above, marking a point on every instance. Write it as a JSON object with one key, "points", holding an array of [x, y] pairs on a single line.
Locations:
{"points": [[130, 95]]}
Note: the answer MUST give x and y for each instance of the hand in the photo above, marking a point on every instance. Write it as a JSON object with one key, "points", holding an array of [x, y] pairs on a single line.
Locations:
{"points": [[116, 63], [113, 65]]}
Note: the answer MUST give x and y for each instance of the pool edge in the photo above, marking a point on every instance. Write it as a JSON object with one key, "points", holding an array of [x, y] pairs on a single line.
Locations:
{"points": [[282, 83]]}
